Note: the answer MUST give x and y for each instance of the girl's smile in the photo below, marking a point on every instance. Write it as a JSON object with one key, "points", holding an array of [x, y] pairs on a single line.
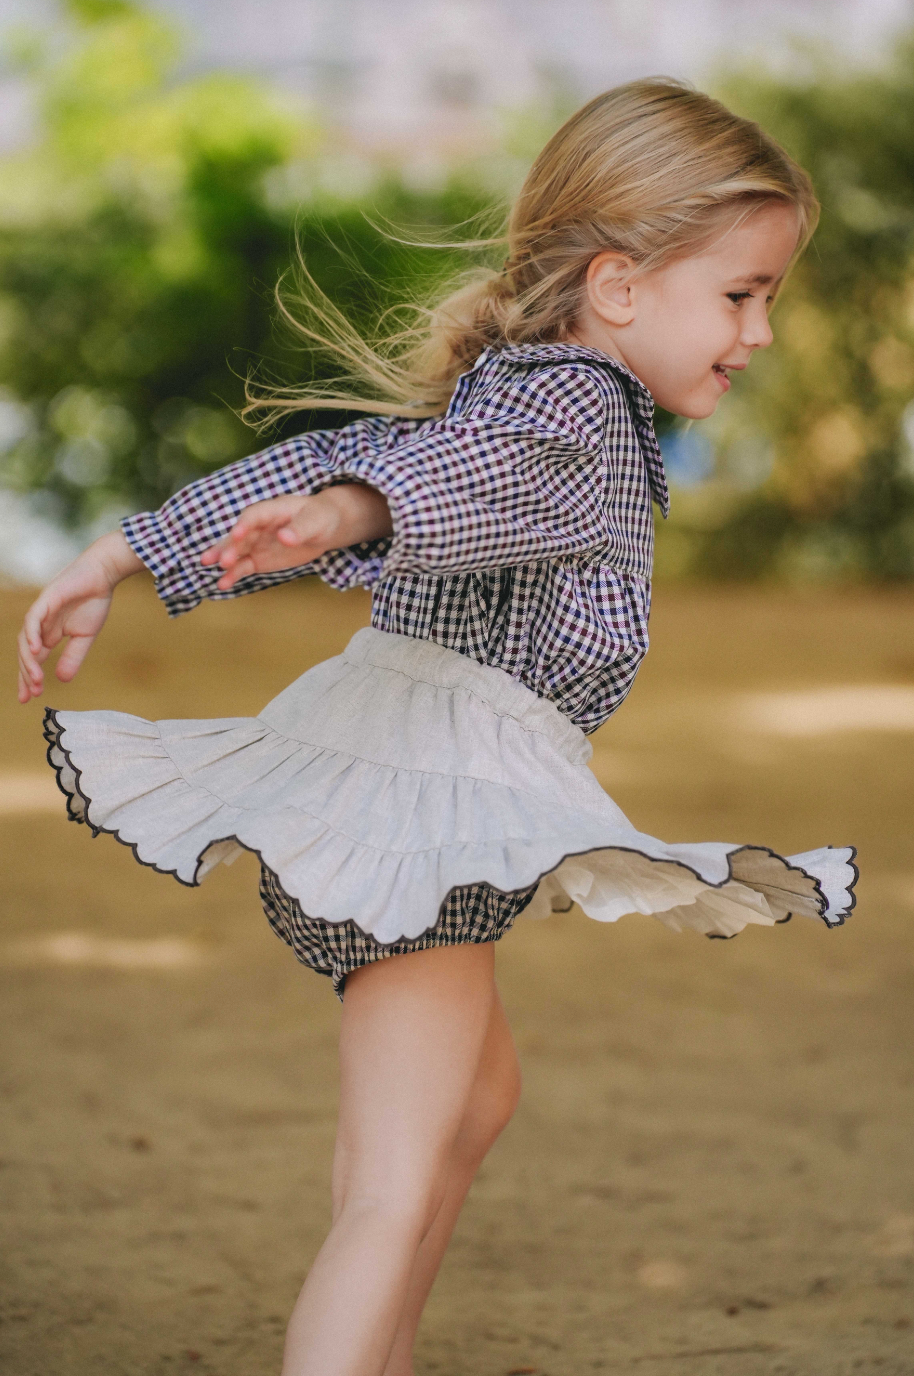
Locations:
{"points": [[720, 371]]}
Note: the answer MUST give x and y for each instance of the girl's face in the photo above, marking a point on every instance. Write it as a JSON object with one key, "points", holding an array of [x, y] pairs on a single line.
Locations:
{"points": [[683, 328]]}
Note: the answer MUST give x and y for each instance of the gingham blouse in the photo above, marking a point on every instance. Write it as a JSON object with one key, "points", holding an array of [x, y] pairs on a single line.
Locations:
{"points": [[523, 532]]}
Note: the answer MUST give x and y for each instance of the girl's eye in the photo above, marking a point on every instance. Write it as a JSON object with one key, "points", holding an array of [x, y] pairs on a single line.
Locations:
{"points": [[737, 296]]}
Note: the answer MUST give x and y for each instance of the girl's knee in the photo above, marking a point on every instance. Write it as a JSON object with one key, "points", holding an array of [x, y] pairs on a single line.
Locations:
{"points": [[402, 1209], [489, 1112], [403, 1186]]}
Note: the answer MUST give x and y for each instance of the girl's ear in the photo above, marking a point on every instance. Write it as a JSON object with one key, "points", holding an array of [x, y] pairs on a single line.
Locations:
{"points": [[609, 288]]}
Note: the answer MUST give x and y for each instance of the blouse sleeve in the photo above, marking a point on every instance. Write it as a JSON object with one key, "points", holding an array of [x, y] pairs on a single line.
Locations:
{"points": [[515, 472], [516, 475], [171, 540]]}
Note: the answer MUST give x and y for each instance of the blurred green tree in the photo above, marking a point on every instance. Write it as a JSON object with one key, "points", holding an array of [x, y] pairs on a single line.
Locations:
{"points": [[131, 236], [827, 409], [140, 239]]}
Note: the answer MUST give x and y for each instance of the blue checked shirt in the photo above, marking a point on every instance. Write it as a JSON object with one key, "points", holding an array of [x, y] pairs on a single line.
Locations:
{"points": [[523, 530]]}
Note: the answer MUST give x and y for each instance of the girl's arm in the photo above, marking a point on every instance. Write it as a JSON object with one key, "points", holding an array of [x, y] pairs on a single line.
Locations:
{"points": [[171, 541], [75, 605]]}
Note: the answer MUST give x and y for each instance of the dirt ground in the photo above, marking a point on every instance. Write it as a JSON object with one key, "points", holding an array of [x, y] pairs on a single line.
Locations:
{"points": [[711, 1171]]}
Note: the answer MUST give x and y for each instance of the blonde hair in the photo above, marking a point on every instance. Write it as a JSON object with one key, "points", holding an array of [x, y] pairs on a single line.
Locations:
{"points": [[653, 170]]}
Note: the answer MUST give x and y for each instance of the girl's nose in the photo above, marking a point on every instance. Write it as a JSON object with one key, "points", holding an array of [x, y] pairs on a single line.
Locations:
{"points": [[756, 332]]}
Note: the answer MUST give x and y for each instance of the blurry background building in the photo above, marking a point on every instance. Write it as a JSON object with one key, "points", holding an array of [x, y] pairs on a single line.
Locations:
{"points": [[427, 79]]}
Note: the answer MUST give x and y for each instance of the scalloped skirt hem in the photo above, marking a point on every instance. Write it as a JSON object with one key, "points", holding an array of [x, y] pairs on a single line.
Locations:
{"points": [[384, 780]]}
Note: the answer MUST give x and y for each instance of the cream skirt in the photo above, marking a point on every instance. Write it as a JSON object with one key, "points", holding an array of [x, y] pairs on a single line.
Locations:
{"points": [[385, 779]]}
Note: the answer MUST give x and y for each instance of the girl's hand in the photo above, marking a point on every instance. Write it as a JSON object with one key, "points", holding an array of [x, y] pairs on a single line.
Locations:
{"points": [[287, 531], [72, 607]]}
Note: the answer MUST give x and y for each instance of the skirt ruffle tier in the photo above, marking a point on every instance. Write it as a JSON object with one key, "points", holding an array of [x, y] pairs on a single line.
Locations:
{"points": [[387, 777]]}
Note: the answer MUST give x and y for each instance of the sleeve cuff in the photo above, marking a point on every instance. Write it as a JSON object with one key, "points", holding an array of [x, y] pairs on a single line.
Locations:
{"points": [[181, 580], [146, 535], [359, 566]]}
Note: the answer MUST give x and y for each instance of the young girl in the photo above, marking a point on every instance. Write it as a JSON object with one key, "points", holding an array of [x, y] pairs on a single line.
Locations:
{"points": [[409, 798]]}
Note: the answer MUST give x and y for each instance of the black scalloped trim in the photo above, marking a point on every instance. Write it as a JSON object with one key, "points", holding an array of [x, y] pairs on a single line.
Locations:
{"points": [[53, 732]]}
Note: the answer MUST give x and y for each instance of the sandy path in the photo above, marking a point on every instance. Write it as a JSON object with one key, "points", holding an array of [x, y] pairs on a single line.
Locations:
{"points": [[711, 1171]]}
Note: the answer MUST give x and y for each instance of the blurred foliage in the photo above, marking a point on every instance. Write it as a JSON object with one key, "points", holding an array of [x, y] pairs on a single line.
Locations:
{"points": [[142, 233], [140, 240], [815, 472]]}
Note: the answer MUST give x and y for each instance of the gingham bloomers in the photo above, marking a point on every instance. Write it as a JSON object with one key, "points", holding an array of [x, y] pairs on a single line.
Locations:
{"points": [[523, 533]]}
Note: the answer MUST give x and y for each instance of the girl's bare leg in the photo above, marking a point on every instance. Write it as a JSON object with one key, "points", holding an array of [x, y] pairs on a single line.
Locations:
{"points": [[491, 1105], [412, 1034]]}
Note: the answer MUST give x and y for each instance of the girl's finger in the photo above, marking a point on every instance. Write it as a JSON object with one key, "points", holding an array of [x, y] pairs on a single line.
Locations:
{"points": [[211, 555], [32, 623], [234, 550], [230, 578], [241, 567], [27, 689], [248, 521], [49, 632], [72, 657], [223, 553], [264, 516], [51, 636], [27, 685], [24, 651], [251, 524], [216, 553], [31, 676], [29, 662]]}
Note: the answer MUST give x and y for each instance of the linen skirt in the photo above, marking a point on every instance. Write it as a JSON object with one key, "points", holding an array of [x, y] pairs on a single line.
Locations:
{"points": [[402, 796]]}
